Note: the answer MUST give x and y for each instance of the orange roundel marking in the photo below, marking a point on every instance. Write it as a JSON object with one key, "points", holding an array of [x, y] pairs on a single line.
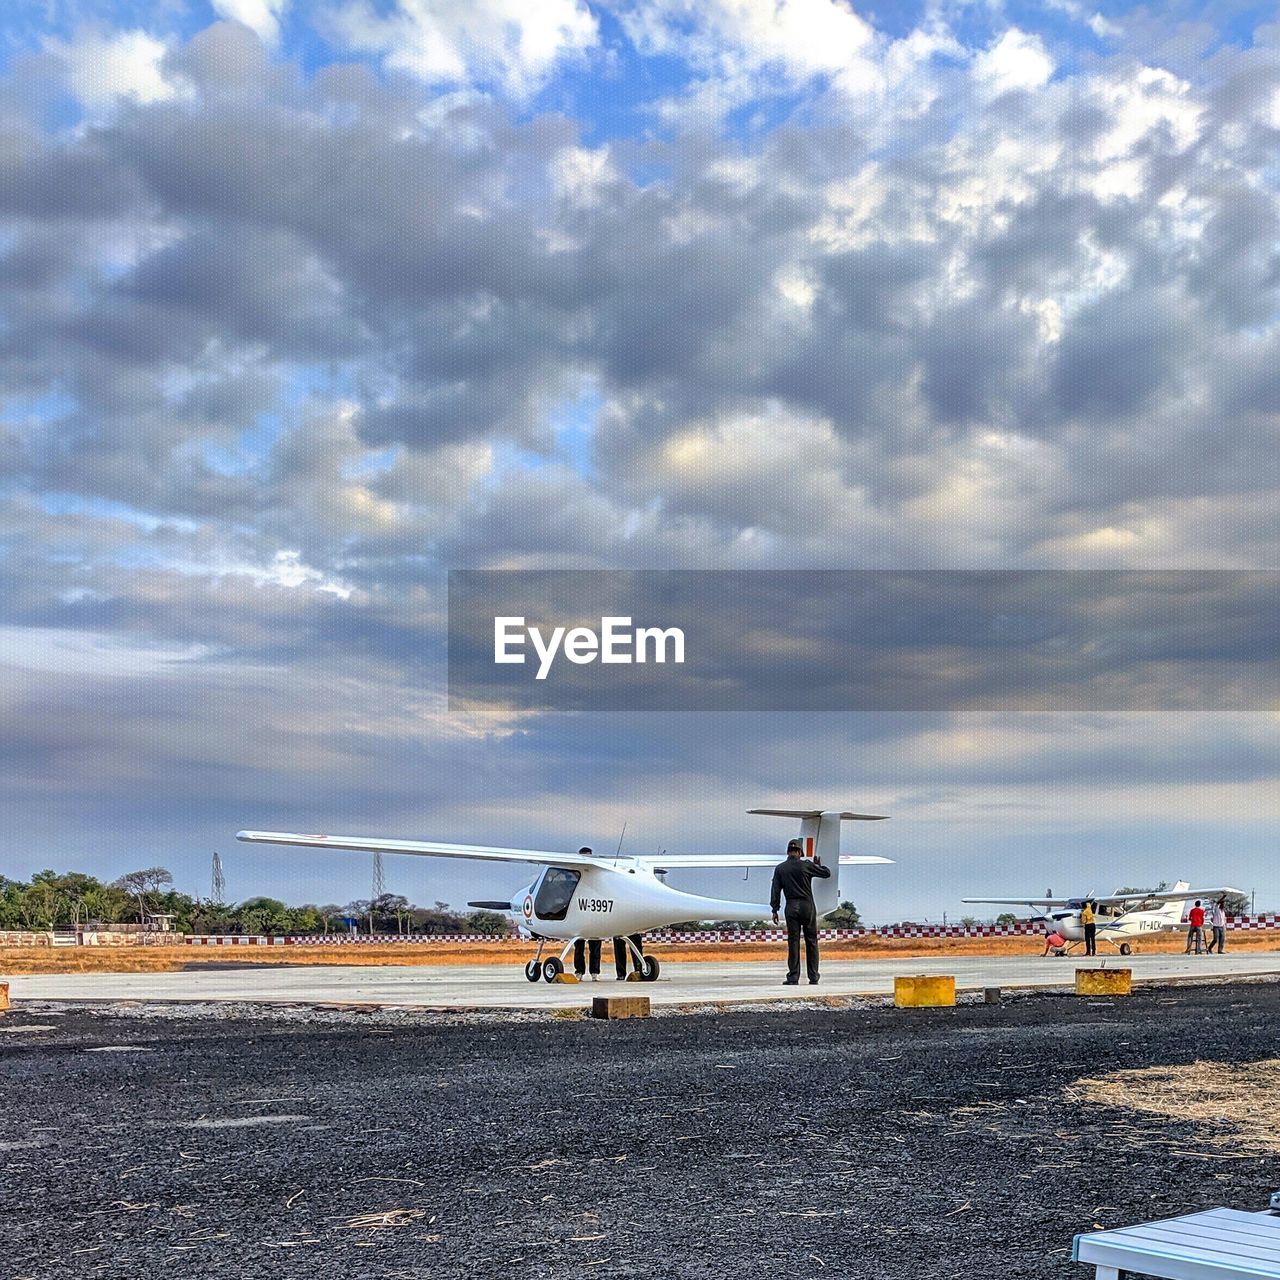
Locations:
{"points": [[527, 908]]}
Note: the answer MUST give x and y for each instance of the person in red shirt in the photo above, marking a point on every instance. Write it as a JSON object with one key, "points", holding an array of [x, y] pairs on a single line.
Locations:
{"points": [[1195, 918]]}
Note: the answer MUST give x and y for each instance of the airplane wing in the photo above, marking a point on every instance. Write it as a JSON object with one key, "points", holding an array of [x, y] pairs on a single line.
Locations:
{"points": [[844, 815], [1165, 895], [1031, 902], [424, 849], [732, 860], [1168, 895]]}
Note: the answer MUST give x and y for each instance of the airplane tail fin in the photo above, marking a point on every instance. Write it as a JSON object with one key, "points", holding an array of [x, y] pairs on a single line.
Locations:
{"points": [[1173, 910], [820, 838]]}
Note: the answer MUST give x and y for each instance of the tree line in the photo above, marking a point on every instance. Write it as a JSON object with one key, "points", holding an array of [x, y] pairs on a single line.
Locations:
{"points": [[845, 916], [72, 899]]}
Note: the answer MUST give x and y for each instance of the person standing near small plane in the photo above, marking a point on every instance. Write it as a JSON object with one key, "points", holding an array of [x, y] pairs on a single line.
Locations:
{"points": [[620, 952], [793, 878], [587, 953], [1218, 924], [1090, 922], [1195, 918]]}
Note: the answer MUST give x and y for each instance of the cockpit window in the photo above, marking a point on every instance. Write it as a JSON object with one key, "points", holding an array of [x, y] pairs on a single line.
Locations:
{"points": [[555, 893]]}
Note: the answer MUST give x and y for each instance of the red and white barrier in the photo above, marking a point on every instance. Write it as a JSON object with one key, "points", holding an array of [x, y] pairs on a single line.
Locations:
{"points": [[329, 939], [1022, 928]]}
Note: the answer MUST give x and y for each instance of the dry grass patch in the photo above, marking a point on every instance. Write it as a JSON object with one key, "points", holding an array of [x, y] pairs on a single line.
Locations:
{"points": [[1222, 1104], [161, 959]]}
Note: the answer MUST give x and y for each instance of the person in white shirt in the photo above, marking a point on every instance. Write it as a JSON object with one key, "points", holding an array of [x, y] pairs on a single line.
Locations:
{"points": [[1218, 923]]}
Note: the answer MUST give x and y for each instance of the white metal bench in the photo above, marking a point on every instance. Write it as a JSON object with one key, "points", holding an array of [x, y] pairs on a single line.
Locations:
{"points": [[1218, 1244]]}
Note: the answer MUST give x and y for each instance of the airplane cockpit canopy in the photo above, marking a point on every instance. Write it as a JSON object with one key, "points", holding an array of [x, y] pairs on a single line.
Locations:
{"points": [[555, 892]]}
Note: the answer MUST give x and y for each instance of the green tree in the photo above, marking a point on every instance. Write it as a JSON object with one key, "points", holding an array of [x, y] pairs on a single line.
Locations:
{"points": [[105, 904], [437, 920], [11, 894], [1006, 918], [40, 905], [845, 916], [141, 885], [263, 915], [489, 923], [306, 919], [212, 917], [390, 913]]}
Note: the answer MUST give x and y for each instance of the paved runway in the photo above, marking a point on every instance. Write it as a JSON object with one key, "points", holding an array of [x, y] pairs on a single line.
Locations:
{"points": [[504, 986]]}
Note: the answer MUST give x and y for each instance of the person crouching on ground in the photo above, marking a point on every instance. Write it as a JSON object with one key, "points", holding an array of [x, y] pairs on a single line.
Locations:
{"points": [[1195, 919], [793, 878]]}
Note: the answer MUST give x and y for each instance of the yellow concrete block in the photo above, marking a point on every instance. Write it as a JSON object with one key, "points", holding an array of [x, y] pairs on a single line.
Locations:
{"points": [[566, 977], [924, 992], [620, 1007], [1104, 982], [4, 996]]}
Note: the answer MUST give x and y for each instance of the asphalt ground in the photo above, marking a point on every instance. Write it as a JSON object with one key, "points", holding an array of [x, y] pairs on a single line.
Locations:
{"points": [[792, 1141], [680, 982]]}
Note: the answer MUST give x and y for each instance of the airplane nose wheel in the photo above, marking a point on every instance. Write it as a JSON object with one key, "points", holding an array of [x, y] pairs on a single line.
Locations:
{"points": [[533, 970], [552, 968], [1125, 948], [649, 969]]}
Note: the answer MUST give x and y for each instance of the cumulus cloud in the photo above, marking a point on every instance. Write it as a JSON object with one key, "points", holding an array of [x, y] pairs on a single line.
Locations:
{"points": [[1017, 60], [103, 68], [261, 16], [499, 42]]}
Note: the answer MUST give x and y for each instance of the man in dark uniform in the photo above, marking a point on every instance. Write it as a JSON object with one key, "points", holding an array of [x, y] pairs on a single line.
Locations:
{"points": [[792, 878], [621, 951], [581, 950]]}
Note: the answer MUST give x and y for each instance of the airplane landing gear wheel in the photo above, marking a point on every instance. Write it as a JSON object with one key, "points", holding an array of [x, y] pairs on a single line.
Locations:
{"points": [[533, 971], [650, 969], [552, 969], [1125, 948]]}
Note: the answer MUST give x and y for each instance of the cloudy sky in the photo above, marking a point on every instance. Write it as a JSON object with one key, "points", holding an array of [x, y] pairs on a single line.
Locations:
{"points": [[303, 305]]}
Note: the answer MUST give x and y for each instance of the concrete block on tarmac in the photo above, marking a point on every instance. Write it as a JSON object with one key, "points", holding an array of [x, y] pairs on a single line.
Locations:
{"points": [[932, 992], [1104, 982], [4, 996], [991, 995], [620, 1007]]}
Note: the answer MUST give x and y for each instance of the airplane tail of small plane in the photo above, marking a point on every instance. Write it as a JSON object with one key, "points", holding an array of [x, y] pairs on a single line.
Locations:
{"points": [[820, 838], [1172, 911]]}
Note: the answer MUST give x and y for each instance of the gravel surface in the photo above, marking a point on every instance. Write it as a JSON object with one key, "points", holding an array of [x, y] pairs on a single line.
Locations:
{"points": [[862, 1141]]}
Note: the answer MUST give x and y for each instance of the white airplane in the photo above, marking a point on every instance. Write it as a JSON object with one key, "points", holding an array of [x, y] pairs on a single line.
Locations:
{"points": [[589, 896], [1119, 916]]}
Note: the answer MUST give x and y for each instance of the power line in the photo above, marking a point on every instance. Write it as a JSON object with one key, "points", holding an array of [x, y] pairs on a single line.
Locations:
{"points": [[219, 880]]}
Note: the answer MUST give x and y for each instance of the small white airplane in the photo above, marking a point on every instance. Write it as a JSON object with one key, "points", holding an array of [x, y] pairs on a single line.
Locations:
{"points": [[591, 896], [1119, 916]]}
